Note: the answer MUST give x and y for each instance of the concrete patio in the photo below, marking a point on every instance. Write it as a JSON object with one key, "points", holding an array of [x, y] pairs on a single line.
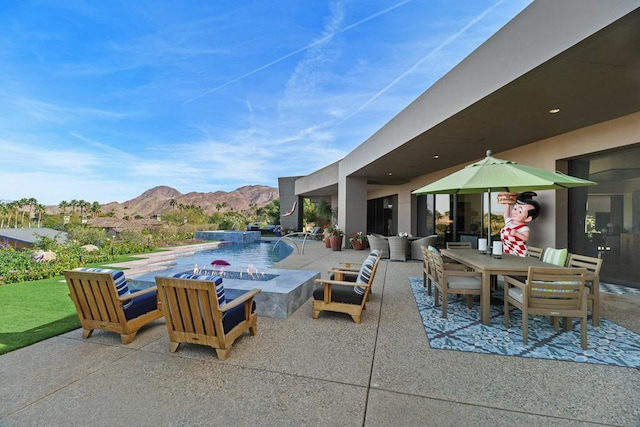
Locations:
{"points": [[300, 371]]}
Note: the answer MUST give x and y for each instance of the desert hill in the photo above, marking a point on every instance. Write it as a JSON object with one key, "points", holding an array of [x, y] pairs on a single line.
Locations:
{"points": [[159, 199]]}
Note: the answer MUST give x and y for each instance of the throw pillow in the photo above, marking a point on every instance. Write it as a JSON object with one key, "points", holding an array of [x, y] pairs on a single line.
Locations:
{"points": [[217, 280], [364, 275], [555, 256]]}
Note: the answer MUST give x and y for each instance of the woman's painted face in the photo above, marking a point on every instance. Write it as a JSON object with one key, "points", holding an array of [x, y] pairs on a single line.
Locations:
{"points": [[520, 213]]}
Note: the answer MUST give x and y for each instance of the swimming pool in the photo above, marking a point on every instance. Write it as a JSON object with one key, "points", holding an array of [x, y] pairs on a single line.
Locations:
{"points": [[241, 257], [282, 291]]}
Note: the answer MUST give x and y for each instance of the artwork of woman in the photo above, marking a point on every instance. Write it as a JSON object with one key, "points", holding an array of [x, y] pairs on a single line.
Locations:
{"points": [[520, 210]]}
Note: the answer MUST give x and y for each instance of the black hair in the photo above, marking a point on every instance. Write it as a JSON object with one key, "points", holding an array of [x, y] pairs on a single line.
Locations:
{"points": [[525, 198]]}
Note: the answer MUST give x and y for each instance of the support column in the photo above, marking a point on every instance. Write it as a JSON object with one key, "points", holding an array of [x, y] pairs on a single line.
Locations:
{"points": [[286, 188], [404, 212], [352, 206]]}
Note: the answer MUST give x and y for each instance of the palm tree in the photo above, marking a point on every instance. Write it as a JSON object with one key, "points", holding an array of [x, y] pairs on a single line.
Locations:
{"points": [[4, 212], [63, 206], [82, 205], [73, 203], [95, 209], [13, 211], [39, 211], [32, 204], [22, 203], [173, 203]]}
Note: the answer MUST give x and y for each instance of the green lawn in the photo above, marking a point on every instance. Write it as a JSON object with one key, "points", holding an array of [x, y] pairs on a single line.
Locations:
{"points": [[34, 311]]}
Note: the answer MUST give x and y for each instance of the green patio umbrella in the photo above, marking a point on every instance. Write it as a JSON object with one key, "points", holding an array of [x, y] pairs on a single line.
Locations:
{"points": [[492, 174]]}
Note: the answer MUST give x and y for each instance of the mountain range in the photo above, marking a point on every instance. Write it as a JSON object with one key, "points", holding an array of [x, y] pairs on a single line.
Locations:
{"points": [[159, 199]]}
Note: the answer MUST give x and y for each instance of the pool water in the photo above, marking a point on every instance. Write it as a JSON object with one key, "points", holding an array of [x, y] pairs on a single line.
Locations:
{"points": [[241, 257]]}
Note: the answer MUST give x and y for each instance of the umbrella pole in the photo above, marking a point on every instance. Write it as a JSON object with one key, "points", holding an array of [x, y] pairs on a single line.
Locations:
{"points": [[489, 244]]}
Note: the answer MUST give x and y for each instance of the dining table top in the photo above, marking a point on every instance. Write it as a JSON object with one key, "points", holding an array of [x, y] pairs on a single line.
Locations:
{"points": [[506, 263]]}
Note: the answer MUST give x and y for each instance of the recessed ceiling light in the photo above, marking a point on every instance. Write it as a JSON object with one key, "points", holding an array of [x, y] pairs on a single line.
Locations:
{"points": [[390, 174], [554, 111], [436, 157]]}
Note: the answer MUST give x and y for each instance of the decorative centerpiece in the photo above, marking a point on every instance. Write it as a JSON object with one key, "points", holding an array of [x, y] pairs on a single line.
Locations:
{"points": [[358, 240]]}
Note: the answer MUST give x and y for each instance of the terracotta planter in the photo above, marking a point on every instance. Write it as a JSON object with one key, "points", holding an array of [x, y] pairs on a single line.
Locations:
{"points": [[327, 241], [357, 245], [336, 243]]}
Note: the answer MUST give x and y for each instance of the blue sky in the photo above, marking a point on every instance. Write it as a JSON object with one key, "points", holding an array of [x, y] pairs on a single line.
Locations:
{"points": [[103, 100]]}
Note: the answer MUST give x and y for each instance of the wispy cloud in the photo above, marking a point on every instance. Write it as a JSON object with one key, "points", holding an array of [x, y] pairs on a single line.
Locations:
{"points": [[422, 60], [321, 40], [94, 96], [43, 111]]}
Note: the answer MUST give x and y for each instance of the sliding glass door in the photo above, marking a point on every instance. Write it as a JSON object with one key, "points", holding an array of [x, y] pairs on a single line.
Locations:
{"points": [[604, 220]]}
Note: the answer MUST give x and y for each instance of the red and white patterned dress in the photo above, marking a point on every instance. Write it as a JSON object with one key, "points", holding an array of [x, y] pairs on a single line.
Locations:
{"points": [[513, 244]]}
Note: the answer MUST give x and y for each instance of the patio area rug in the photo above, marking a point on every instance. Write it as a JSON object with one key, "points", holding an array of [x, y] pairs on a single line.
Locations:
{"points": [[608, 344]]}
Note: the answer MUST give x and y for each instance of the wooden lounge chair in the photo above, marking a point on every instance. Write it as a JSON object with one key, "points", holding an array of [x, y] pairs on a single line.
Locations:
{"points": [[346, 297], [317, 233], [549, 291], [104, 301], [349, 271], [197, 312]]}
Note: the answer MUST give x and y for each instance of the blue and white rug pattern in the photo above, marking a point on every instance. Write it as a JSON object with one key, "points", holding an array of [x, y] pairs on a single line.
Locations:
{"points": [[608, 344], [607, 288]]}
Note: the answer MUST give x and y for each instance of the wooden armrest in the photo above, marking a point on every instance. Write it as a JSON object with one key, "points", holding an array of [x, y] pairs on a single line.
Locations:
{"points": [[137, 293], [248, 296], [346, 268], [340, 282], [508, 280], [347, 264], [338, 271]]}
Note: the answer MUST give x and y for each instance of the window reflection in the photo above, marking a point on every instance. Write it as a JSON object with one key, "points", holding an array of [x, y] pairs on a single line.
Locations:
{"points": [[604, 220]]}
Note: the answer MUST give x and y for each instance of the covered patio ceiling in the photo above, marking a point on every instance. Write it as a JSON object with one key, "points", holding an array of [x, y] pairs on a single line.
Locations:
{"points": [[596, 80]]}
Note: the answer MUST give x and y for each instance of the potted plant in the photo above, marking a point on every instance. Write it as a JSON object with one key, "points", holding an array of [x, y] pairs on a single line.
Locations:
{"points": [[328, 231], [358, 240], [335, 235]]}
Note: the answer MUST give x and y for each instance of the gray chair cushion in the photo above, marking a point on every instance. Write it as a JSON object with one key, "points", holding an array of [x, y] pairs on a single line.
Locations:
{"points": [[339, 293]]}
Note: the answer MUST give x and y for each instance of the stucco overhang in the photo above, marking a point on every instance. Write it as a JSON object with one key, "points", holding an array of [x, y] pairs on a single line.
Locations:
{"points": [[581, 56], [322, 182]]}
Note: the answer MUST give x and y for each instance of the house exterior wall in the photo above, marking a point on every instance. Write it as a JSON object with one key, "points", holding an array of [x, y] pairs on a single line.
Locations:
{"points": [[551, 154], [520, 47]]}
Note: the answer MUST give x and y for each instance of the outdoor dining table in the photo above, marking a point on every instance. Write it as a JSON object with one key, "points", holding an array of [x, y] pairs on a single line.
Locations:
{"points": [[509, 265]]}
